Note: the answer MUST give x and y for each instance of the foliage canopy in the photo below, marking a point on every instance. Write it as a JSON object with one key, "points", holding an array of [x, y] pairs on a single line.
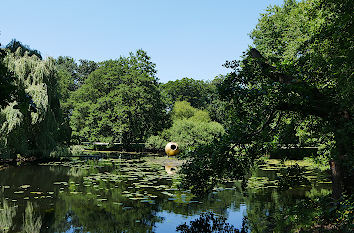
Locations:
{"points": [[196, 92], [119, 102], [31, 122], [301, 69]]}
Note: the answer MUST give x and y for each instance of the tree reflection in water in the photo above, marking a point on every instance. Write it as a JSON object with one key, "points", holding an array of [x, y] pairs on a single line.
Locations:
{"points": [[32, 222], [7, 214], [210, 222], [129, 195]]}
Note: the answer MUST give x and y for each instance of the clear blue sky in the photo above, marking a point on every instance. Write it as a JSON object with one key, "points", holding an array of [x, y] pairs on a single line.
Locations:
{"points": [[185, 38]]}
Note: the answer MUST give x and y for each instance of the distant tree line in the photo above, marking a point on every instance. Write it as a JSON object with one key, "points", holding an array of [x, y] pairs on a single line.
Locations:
{"points": [[48, 104], [294, 87]]}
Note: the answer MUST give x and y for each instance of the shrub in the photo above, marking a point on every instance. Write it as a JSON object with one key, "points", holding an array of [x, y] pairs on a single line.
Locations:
{"points": [[190, 128], [189, 133]]}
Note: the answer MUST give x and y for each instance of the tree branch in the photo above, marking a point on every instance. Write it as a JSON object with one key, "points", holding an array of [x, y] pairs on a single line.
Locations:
{"points": [[313, 101]]}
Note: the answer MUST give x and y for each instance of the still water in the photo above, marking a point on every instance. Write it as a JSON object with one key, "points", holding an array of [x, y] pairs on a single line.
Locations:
{"points": [[125, 194]]}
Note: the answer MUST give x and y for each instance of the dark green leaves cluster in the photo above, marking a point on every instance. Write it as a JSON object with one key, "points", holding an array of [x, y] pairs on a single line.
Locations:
{"points": [[196, 92], [119, 102], [7, 87], [14, 45], [296, 84]]}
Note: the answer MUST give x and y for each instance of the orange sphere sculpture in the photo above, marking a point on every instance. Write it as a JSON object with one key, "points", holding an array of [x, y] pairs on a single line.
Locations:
{"points": [[171, 149]]}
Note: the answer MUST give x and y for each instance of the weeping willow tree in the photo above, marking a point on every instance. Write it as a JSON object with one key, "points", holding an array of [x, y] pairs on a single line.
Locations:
{"points": [[30, 125]]}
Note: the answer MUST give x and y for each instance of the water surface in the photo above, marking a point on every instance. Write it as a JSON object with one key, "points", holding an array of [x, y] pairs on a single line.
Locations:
{"points": [[131, 195]]}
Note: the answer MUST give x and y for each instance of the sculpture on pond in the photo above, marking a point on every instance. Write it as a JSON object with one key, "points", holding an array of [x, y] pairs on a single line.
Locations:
{"points": [[171, 149]]}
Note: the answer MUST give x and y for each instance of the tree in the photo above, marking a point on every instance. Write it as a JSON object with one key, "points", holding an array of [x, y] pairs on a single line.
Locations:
{"points": [[72, 73], [71, 76], [7, 88], [85, 68], [31, 124], [302, 66], [313, 60], [217, 105], [196, 92], [119, 102], [15, 44], [200, 94]]}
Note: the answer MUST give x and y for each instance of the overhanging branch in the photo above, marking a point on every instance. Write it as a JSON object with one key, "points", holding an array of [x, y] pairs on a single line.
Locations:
{"points": [[314, 102]]}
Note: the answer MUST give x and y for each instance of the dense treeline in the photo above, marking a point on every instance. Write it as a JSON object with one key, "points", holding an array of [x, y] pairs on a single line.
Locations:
{"points": [[112, 101], [294, 88]]}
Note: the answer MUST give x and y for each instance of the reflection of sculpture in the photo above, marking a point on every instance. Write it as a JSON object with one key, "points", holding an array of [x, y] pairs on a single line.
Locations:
{"points": [[172, 149], [170, 169]]}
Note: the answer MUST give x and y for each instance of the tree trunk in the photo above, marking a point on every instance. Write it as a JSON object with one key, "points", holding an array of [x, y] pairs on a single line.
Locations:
{"points": [[339, 165], [337, 181]]}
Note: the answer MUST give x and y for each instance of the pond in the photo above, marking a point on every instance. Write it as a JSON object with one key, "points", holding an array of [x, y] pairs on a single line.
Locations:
{"points": [[127, 194]]}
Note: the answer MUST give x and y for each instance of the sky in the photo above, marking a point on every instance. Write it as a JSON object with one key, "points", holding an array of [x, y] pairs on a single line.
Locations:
{"points": [[184, 38]]}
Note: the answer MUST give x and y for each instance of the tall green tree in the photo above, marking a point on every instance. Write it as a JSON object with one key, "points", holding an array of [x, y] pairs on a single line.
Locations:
{"points": [[200, 94], [301, 65], [31, 122], [71, 75], [196, 92], [312, 52], [119, 102], [78, 71]]}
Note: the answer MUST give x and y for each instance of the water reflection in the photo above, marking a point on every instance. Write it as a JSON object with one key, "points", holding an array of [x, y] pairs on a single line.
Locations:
{"points": [[130, 195], [170, 169], [32, 223], [210, 222], [7, 214]]}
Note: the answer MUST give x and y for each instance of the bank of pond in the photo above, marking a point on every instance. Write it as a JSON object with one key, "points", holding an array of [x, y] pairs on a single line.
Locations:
{"points": [[132, 193]]}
